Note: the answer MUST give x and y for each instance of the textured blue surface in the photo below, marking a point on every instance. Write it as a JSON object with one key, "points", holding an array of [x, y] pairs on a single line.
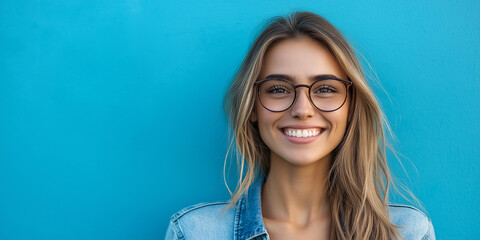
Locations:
{"points": [[99, 141]]}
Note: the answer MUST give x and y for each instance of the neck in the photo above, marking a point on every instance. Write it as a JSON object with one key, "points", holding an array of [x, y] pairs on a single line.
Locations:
{"points": [[296, 194]]}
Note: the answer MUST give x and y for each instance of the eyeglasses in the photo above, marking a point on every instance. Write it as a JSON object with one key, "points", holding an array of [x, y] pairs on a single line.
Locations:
{"points": [[326, 94]]}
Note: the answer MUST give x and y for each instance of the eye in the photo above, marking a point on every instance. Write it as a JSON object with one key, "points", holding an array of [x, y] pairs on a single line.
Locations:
{"points": [[278, 89], [325, 89]]}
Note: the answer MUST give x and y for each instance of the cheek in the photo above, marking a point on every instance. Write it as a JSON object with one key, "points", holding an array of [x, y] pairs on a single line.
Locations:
{"points": [[266, 121], [338, 120]]}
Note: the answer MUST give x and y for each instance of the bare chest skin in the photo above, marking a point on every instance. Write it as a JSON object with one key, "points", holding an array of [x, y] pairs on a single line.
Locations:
{"points": [[281, 230]]}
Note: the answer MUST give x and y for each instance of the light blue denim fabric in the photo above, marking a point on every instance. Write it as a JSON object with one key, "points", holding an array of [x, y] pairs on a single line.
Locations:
{"points": [[203, 221]]}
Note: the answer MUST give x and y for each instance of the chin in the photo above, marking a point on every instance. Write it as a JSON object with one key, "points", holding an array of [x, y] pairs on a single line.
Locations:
{"points": [[304, 159]]}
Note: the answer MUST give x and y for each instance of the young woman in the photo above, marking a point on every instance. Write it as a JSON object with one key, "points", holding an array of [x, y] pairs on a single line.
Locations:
{"points": [[309, 133]]}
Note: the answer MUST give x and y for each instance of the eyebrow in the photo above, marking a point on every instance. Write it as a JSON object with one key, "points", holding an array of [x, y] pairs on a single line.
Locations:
{"points": [[292, 79]]}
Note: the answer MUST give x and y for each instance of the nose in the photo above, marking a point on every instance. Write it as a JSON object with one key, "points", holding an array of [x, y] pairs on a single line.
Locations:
{"points": [[302, 107]]}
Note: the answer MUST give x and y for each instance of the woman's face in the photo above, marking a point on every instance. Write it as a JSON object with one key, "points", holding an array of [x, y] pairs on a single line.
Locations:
{"points": [[301, 59]]}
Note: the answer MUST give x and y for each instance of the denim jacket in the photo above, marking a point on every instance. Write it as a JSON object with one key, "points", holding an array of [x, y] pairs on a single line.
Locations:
{"points": [[203, 221]]}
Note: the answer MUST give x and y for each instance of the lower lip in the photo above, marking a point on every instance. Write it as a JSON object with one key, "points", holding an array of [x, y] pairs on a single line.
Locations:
{"points": [[302, 140]]}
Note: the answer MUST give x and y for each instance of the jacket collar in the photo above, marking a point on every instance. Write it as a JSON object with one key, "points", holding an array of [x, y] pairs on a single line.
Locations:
{"points": [[248, 219]]}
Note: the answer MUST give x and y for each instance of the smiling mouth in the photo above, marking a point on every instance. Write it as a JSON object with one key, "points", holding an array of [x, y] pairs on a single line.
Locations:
{"points": [[302, 133]]}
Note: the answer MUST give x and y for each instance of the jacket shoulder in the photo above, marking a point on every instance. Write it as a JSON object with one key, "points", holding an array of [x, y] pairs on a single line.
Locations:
{"points": [[202, 221], [411, 222]]}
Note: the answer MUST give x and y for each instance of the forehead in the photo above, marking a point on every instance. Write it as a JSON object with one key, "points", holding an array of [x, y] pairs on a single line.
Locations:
{"points": [[300, 58]]}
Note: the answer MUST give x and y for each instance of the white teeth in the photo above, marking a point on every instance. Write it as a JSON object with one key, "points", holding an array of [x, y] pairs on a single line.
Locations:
{"points": [[305, 133], [301, 133]]}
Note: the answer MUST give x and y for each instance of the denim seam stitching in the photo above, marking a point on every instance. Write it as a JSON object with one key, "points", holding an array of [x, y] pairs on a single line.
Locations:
{"points": [[406, 206], [178, 233], [255, 236], [425, 236], [237, 220], [194, 207]]}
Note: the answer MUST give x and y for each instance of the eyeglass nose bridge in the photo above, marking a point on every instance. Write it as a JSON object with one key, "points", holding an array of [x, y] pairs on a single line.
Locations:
{"points": [[301, 85], [308, 94]]}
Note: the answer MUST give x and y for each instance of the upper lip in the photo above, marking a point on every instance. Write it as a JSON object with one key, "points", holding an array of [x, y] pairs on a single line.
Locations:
{"points": [[302, 126]]}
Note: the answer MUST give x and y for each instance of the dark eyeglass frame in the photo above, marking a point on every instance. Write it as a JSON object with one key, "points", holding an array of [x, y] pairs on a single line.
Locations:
{"points": [[347, 83]]}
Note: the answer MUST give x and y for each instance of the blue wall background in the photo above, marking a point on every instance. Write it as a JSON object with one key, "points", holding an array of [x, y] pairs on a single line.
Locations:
{"points": [[111, 111]]}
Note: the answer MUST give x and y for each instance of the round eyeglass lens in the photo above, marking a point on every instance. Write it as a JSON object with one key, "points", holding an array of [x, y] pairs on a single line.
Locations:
{"points": [[276, 95], [329, 94]]}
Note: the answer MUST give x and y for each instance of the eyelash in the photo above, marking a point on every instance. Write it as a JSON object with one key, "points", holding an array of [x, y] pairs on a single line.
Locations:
{"points": [[328, 88], [276, 88]]}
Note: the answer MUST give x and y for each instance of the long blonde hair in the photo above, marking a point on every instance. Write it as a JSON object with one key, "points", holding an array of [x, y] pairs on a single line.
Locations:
{"points": [[359, 178]]}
